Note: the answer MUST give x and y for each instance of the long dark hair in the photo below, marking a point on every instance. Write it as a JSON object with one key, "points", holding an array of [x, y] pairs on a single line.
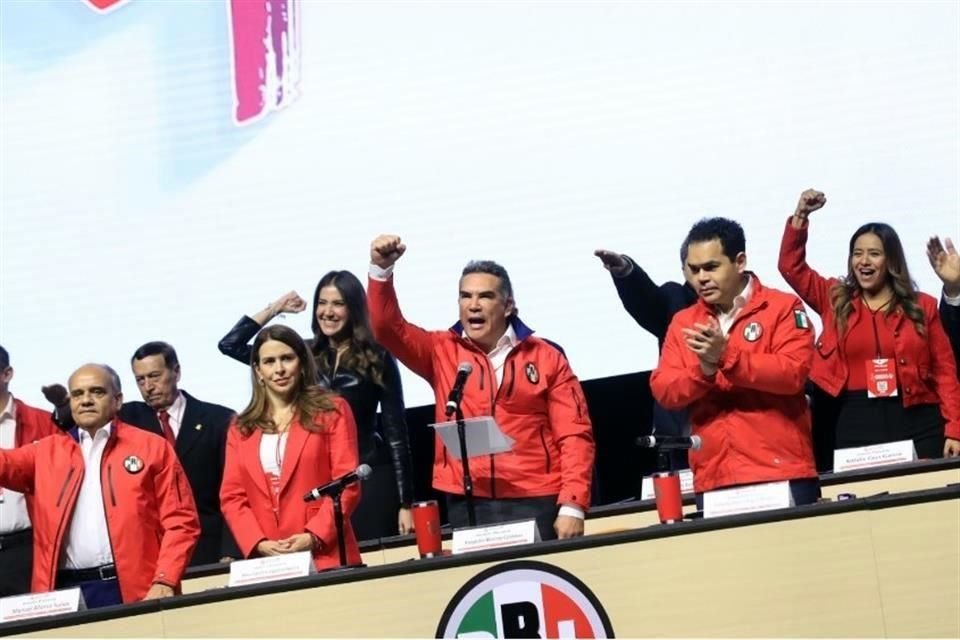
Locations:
{"points": [[310, 399], [363, 354], [898, 277]]}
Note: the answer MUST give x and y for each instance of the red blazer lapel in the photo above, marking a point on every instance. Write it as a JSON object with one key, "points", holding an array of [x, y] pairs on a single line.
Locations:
{"points": [[250, 458], [296, 440]]}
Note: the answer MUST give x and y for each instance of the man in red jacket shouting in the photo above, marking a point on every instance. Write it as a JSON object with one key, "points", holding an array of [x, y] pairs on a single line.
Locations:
{"points": [[112, 510], [738, 359], [522, 381]]}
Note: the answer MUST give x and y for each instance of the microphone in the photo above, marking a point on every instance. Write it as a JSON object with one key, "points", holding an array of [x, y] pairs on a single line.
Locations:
{"points": [[456, 393], [670, 442], [336, 486]]}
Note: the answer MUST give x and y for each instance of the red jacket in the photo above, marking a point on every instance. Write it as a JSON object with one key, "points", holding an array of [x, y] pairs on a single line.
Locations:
{"points": [[539, 404], [151, 518], [926, 369], [752, 415], [310, 460], [32, 424]]}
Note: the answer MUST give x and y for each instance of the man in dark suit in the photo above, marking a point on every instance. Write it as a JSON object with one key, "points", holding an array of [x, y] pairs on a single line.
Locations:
{"points": [[197, 430], [653, 306]]}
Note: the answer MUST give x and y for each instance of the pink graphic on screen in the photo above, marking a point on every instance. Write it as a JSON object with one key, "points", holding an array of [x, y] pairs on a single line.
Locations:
{"points": [[265, 52]]}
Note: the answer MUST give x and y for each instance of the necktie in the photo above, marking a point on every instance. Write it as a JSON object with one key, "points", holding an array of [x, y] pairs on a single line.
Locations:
{"points": [[167, 429]]}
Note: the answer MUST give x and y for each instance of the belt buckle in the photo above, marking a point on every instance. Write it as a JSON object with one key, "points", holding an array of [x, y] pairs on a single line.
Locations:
{"points": [[101, 571]]}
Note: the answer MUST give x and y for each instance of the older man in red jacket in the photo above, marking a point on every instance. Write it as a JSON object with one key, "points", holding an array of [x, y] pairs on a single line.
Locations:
{"points": [[112, 509], [738, 359]]}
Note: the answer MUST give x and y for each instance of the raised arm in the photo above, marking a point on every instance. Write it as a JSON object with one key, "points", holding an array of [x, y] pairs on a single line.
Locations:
{"points": [[410, 344], [236, 343], [648, 304], [812, 288]]}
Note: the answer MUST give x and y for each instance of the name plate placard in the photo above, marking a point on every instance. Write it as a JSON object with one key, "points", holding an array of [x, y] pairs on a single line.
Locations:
{"points": [[38, 605], [874, 455], [754, 497], [283, 567], [495, 536], [686, 484]]}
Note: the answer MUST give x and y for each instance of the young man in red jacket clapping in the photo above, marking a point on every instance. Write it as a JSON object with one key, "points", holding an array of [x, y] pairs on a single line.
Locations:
{"points": [[738, 360]]}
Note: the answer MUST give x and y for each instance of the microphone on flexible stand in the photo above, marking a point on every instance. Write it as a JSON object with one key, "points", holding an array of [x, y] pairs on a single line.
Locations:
{"points": [[456, 393]]}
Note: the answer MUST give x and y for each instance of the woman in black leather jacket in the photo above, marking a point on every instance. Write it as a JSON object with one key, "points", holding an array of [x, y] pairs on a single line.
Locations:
{"points": [[366, 375]]}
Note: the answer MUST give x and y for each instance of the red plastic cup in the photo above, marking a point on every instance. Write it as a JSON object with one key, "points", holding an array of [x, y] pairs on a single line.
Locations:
{"points": [[666, 489], [426, 524]]}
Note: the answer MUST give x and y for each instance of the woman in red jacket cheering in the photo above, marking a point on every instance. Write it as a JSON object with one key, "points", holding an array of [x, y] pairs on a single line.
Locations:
{"points": [[291, 438], [883, 352]]}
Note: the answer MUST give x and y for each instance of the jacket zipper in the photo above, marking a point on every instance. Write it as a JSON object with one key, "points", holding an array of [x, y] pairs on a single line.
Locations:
{"points": [[58, 539], [546, 451], [513, 375], [64, 487], [113, 496], [113, 553]]}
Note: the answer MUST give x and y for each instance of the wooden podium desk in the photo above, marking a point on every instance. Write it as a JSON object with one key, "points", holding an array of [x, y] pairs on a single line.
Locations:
{"points": [[883, 566], [928, 474]]}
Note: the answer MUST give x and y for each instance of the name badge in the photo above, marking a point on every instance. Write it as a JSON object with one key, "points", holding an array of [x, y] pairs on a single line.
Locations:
{"points": [[257, 570], [754, 497], [874, 455], [881, 378], [495, 536], [38, 605]]}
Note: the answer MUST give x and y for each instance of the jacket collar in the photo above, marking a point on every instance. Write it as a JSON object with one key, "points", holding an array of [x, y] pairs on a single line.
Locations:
{"points": [[756, 298]]}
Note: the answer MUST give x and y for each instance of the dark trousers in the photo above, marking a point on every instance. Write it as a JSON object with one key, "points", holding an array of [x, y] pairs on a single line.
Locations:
{"points": [[863, 421], [543, 509], [16, 562], [96, 593], [804, 491], [376, 514]]}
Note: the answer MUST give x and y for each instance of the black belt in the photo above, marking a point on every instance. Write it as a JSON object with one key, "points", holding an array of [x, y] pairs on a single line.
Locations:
{"points": [[15, 539], [73, 576]]}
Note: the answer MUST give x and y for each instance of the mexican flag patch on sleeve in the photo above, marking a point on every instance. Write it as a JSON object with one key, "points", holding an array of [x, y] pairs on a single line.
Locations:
{"points": [[800, 319]]}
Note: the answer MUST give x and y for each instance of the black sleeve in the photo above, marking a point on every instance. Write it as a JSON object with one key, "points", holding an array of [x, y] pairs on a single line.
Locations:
{"points": [[394, 427], [236, 343], [644, 300], [950, 317]]}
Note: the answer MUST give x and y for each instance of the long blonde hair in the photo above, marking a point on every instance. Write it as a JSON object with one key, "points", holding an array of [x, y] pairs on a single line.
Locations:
{"points": [[309, 398], [898, 277]]}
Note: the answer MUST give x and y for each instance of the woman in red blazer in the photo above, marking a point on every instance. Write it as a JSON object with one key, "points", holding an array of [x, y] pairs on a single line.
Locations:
{"points": [[883, 353], [292, 437]]}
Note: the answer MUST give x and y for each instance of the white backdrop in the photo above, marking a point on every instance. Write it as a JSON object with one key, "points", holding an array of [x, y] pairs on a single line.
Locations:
{"points": [[531, 133]]}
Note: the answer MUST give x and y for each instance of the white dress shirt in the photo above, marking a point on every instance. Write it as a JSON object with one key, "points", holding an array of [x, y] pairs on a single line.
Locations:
{"points": [[176, 414], [726, 319], [13, 506], [87, 544], [953, 301]]}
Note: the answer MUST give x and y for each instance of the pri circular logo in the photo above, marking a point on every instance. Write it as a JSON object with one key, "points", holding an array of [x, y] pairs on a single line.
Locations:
{"points": [[524, 599]]}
